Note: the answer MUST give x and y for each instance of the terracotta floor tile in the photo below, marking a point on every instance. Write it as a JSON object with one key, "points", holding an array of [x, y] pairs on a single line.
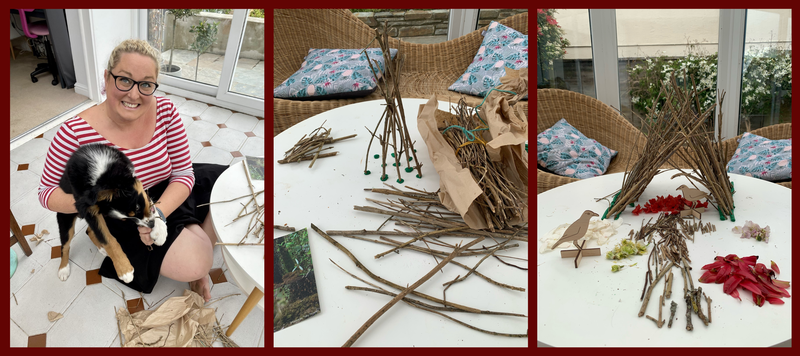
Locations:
{"points": [[28, 229], [222, 126], [37, 340], [55, 252], [22, 167], [93, 277], [236, 154], [249, 134], [217, 276], [135, 305], [206, 144]]}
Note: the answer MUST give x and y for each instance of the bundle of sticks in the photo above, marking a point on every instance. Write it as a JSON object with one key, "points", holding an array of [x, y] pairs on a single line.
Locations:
{"points": [[309, 147], [501, 200], [668, 252], [395, 130], [704, 153], [680, 127]]}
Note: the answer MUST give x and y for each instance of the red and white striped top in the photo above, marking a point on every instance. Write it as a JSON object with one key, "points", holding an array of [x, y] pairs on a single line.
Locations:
{"points": [[166, 156]]}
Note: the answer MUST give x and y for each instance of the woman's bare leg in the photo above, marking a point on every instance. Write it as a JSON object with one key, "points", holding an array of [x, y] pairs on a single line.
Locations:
{"points": [[189, 259]]}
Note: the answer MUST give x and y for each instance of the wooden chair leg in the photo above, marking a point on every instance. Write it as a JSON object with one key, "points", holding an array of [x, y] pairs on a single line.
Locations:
{"points": [[251, 302], [19, 237], [13, 56]]}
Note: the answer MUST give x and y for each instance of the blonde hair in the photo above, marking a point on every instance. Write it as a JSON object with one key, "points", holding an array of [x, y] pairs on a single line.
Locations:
{"points": [[134, 46]]}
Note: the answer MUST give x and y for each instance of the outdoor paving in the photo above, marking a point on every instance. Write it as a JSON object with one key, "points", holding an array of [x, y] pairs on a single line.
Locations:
{"points": [[248, 78]]}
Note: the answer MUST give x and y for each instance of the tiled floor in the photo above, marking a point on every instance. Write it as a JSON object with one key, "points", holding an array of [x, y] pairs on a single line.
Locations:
{"points": [[87, 301]]}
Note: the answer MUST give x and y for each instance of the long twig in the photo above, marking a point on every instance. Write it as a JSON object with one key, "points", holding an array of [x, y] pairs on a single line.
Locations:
{"points": [[405, 291]]}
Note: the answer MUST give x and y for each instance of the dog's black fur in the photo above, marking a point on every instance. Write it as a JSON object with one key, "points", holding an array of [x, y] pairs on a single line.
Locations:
{"points": [[102, 181]]}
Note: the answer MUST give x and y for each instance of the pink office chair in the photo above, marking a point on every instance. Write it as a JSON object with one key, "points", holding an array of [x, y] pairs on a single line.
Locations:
{"points": [[34, 30]]}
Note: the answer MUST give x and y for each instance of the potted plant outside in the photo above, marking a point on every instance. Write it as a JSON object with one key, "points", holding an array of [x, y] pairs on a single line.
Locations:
{"points": [[205, 36], [178, 14]]}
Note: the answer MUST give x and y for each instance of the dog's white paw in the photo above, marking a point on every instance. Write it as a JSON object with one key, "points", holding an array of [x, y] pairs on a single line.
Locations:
{"points": [[102, 251], [159, 232], [63, 273], [127, 277]]}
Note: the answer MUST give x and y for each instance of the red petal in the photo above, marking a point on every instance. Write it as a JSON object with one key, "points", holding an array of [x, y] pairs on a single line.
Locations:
{"points": [[717, 264], [774, 300], [735, 294], [759, 300], [750, 260], [731, 284], [774, 267], [744, 272], [732, 257], [751, 286], [723, 274], [708, 277], [780, 284], [766, 282]]}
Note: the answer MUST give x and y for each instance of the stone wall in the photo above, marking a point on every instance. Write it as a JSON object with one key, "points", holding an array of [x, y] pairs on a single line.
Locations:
{"points": [[415, 23]]}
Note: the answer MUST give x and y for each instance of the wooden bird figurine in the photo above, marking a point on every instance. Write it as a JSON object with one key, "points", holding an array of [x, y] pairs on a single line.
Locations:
{"points": [[577, 230], [692, 194]]}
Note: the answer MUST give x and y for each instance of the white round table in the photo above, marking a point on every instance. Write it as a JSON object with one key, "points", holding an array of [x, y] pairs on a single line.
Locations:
{"points": [[591, 306], [245, 262], [325, 195]]}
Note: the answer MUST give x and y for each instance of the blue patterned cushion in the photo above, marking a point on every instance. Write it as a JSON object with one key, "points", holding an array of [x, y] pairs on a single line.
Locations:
{"points": [[762, 158], [502, 47], [565, 151], [333, 74]]}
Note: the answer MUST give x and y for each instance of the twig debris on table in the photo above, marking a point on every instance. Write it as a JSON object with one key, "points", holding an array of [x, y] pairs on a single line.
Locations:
{"points": [[309, 148]]}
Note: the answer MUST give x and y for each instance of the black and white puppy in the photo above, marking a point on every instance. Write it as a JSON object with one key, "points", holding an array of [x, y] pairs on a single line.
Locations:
{"points": [[102, 181]]}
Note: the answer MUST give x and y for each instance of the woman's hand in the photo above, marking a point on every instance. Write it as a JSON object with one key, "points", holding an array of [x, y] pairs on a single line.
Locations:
{"points": [[144, 234]]}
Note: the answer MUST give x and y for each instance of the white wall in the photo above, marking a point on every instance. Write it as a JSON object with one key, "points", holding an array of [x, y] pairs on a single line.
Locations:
{"points": [[93, 35], [647, 32]]}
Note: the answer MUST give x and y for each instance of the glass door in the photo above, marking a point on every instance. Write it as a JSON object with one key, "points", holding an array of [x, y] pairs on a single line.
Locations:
{"points": [[214, 53]]}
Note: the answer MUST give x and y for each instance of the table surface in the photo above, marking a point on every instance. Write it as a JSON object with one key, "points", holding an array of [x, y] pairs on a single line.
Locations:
{"points": [[325, 195], [604, 306], [246, 262]]}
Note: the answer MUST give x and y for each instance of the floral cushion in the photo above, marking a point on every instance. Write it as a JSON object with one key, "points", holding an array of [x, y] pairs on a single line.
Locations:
{"points": [[565, 151], [333, 74], [502, 47], [762, 158]]}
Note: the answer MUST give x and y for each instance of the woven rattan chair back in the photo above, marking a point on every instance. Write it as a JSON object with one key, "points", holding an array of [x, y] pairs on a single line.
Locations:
{"points": [[428, 68]]}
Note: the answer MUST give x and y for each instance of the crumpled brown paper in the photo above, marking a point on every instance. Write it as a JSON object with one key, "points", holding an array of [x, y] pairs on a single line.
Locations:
{"points": [[507, 134], [173, 324]]}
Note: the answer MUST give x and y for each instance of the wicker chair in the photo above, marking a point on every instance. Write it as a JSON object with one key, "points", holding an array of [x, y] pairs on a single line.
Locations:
{"points": [[594, 119], [428, 68], [773, 132]]}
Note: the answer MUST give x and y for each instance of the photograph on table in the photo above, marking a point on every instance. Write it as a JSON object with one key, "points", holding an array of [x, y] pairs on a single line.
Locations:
{"points": [[255, 165], [294, 286]]}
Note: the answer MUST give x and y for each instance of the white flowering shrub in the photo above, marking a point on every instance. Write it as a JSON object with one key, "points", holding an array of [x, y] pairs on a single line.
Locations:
{"points": [[767, 73]]}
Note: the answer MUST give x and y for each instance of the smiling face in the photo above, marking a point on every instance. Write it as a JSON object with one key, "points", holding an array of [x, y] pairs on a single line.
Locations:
{"points": [[130, 105]]}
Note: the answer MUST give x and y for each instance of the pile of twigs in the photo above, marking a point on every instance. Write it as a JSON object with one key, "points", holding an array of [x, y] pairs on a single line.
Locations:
{"points": [[669, 251], [395, 130], [501, 201], [255, 211], [425, 214], [309, 148], [668, 131]]}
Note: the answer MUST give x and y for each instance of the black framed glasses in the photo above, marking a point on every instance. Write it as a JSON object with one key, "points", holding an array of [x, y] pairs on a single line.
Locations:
{"points": [[126, 84]]}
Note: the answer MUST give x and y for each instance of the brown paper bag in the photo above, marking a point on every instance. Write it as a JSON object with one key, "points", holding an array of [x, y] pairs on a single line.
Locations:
{"points": [[173, 324], [506, 137]]}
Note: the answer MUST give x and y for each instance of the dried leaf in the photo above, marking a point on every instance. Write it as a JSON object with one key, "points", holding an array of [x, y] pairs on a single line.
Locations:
{"points": [[53, 316]]}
